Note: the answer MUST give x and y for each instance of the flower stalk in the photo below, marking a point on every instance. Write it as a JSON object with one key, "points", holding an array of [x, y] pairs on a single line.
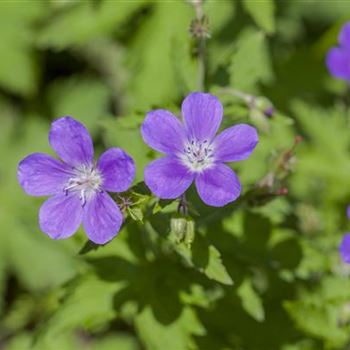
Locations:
{"points": [[199, 30], [182, 208], [252, 102]]}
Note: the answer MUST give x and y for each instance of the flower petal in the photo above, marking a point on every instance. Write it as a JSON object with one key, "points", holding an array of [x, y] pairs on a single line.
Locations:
{"points": [[202, 114], [41, 175], [344, 248], [218, 185], [60, 216], [168, 178], [337, 61], [102, 218], [163, 132], [235, 143], [71, 141], [117, 168], [344, 36]]}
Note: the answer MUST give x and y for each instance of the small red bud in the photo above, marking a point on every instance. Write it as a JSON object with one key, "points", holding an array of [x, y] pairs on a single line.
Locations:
{"points": [[283, 191], [298, 139]]}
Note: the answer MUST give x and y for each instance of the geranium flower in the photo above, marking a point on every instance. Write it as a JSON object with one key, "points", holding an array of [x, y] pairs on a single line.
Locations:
{"points": [[338, 58], [193, 153], [344, 248], [77, 185]]}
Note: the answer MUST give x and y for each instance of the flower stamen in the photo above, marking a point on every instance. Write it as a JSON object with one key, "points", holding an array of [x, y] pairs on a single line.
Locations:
{"points": [[197, 155], [86, 180]]}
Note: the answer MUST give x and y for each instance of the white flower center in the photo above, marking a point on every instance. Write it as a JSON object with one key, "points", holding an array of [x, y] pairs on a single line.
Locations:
{"points": [[86, 180], [197, 155]]}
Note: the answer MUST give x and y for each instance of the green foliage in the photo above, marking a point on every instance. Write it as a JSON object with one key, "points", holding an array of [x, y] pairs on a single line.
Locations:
{"points": [[174, 336], [250, 61], [324, 313], [160, 55], [84, 98], [251, 302], [77, 310], [260, 273], [262, 12], [197, 252], [74, 24], [19, 71]]}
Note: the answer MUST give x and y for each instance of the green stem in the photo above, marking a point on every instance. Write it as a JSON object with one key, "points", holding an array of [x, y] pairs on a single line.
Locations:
{"points": [[240, 94], [201, 47], [182, 207]]}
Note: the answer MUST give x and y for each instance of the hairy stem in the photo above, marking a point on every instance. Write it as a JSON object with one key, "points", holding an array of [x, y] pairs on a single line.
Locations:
{"points": [[182, 208], [240, 94], [197, 4]]}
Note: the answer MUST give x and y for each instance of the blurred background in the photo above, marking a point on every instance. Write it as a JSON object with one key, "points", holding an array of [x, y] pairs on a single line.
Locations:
{"points": [[260, 274]]}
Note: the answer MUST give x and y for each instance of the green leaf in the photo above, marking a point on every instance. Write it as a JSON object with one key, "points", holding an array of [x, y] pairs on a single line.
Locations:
{"points": [[88, 304], [53, 263], [199, 253], [19, 69], [25, 340], [323, 312], [251, 301], [79, 22], [199, 296], [85, 99], [219, 13], [21, 341], [106, 57], [262, 11], [279, 138], [216, 269], [174, 336], [306, 344], [118, 341], [161, 204], [250, 62], [135, 213], [317, 322], [160, 60], [326, 143], [66, 341]]}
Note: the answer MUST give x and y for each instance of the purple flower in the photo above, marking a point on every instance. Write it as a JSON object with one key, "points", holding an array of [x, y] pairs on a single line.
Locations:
{"points": [[193, 153], [344, 248], [338, 58], [77, 185]]}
